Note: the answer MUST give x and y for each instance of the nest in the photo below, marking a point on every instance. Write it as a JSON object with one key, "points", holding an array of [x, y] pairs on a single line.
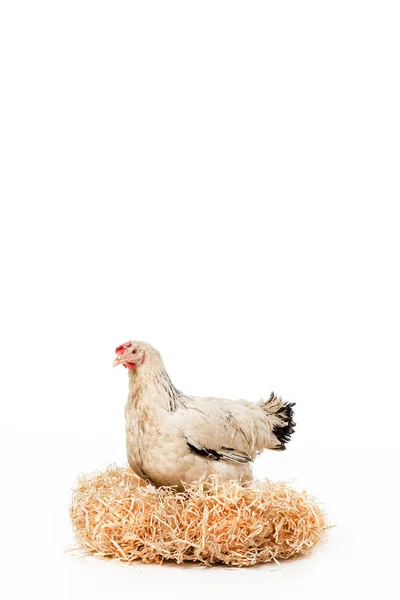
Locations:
{"points": [[116, 515]]}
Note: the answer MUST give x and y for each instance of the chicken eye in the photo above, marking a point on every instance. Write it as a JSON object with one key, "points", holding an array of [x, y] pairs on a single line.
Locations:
{"points": [[134, 351]]}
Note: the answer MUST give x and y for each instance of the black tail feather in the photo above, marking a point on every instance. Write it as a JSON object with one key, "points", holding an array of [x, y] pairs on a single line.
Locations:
{"points": [[284, 411], [284, 432]]}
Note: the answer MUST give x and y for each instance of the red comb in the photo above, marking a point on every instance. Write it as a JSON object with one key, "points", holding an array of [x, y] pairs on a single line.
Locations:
{"points": [[120, 349]]}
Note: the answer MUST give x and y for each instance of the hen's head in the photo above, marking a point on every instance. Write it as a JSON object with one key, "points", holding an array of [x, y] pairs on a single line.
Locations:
{"points": [[134, 354]]}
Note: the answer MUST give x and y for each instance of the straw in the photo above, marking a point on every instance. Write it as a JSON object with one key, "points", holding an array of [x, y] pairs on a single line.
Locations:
{"points": [[117, 515]]}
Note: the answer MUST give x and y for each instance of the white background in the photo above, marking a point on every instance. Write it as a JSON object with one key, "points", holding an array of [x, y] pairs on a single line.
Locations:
{"points": [[220, 179]]}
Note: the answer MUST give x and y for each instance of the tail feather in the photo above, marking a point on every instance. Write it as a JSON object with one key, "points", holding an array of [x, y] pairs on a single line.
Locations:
{"points": [[281, 418]]}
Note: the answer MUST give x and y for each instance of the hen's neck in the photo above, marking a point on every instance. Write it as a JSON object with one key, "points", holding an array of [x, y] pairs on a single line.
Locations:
{"points": [[151, 382]]}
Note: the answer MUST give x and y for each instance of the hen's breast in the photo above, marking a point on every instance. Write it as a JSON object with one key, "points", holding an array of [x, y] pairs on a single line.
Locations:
{"points": [[156, 449]]}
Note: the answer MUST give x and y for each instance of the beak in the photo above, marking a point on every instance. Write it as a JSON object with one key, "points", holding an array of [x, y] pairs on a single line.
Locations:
{"points": [[119, 360]]}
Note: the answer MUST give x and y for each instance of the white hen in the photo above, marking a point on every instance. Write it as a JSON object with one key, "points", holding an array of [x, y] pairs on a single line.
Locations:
{"points": [[173, 438]]}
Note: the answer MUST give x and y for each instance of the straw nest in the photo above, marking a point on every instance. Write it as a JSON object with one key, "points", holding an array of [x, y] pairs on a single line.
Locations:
{"points": [[117, 515]]}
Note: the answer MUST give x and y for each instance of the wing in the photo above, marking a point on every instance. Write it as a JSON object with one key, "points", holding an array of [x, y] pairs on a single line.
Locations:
{"points": [[219, 429]]}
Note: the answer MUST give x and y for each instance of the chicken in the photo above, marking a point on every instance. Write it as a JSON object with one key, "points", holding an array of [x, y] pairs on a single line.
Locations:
{"points": [[172, 438]]}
